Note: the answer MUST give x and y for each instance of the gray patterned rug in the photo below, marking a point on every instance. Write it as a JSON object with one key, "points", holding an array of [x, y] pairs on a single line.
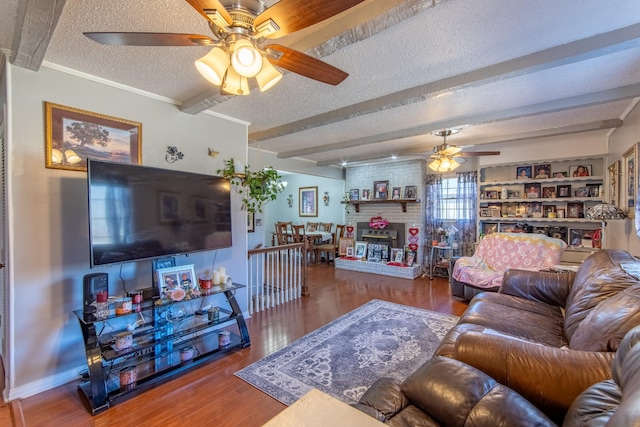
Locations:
{"points": [[344, 357]]}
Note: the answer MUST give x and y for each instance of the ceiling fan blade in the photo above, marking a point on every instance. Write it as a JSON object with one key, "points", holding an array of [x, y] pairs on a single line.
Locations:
{"points": [[150, 39], [451, 150], [458, 159], [478, 153], [294, 15], [203, 6], [307, 66]]}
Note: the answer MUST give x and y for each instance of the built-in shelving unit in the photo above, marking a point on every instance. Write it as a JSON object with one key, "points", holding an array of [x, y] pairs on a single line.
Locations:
{"points": [[555, 206]]}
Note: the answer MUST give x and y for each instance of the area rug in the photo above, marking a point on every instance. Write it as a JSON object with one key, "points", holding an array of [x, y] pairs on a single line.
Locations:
{"points": [[344, 357]]}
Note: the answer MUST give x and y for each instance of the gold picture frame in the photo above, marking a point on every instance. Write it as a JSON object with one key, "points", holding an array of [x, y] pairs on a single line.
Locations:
{"points": [[308, 201], [614, 183], [72, 136]]}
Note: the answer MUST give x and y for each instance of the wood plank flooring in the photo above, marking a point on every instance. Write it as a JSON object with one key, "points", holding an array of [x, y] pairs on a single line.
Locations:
{"points": [[211, 394]]}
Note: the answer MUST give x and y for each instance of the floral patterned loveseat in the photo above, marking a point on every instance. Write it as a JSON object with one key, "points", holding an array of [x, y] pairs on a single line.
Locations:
{"points": [[499, 252]]}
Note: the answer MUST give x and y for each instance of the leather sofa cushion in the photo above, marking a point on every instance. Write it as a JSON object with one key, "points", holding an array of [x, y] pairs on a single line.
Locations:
{"points": [[519, 318], [599, 288]]}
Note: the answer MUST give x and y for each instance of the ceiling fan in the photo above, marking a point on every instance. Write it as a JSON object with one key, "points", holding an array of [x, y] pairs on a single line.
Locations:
{"points": [[240, 28], [447, 158]]}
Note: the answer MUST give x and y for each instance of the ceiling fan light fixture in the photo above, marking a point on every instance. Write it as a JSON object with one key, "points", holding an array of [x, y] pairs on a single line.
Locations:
{"points": [[246, 59], [234, 83], [268, 76], [435, 165], [214, 65]]}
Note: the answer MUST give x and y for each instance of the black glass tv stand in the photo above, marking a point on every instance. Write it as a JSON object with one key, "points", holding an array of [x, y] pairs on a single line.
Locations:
{"points": [[176, 336]]}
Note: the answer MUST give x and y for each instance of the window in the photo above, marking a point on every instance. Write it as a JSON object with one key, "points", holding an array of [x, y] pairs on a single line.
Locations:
{"points": [[451, 206]]}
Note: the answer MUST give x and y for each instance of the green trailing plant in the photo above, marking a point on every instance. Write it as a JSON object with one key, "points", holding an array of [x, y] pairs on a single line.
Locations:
{"points": [[257, 188]]}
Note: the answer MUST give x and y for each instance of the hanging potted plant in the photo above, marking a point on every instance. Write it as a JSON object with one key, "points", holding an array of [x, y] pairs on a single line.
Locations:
{"points": [[257, 188]]}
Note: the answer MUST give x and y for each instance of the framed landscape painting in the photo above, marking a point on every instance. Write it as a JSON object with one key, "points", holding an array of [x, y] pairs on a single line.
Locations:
{"points": [[72, 136]]}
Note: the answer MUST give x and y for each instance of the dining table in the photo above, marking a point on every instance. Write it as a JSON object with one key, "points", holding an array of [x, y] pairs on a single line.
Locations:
{"points": [[313, 236]]}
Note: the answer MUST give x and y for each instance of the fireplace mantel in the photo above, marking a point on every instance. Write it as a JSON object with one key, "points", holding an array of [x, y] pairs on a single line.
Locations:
{"points": [[402, 202]]}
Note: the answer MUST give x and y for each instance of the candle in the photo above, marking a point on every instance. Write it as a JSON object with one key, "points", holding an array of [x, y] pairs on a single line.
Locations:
{"points": [[216, 278], [102, 296], [223, 271]]}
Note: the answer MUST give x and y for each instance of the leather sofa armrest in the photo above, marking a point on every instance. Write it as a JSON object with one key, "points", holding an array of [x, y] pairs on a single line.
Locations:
{"points": [[549, 377], [543, 286], [384, 398]]}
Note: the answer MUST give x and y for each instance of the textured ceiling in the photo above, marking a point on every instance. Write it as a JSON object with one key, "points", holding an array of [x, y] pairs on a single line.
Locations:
{"points": [[501, 68]]}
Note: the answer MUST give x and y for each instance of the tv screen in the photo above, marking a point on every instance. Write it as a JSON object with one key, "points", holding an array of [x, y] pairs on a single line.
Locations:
{"points": [[138, 212]]}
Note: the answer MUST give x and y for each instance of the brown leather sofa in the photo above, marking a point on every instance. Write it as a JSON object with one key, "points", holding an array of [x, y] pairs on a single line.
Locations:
{"points": [[447, 392], [547, 335]]}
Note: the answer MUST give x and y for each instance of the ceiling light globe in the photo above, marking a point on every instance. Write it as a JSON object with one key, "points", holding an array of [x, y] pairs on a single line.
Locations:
{"points": [[213, 65], [234, 83], [268, 76], [246, 60]]}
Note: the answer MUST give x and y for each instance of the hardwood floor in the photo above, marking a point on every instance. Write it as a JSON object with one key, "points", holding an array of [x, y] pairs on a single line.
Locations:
{"points": [[211, 394]]}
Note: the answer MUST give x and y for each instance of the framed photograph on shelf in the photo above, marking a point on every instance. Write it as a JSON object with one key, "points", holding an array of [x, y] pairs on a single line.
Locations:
{"points": [[349, 251], [579, 171], [395, 195], [524, 172], [548, 192], [581, 192], [575, 210], [344, 243], [614, 183], [533, 191], [176, 283], [560, 174], [354, 194], [361, 250], [629, 181], [542, 171], [72, 136], [308, 201], [410, 191], [563, 191], [381, 190], [397, 255], [410, 259], [366, 194]]}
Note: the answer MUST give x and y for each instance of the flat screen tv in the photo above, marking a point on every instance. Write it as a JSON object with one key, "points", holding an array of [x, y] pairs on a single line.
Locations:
{"points": [[138, 212]]}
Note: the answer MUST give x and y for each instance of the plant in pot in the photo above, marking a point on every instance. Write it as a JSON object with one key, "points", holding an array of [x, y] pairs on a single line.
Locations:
{"points": [[257, 188]]}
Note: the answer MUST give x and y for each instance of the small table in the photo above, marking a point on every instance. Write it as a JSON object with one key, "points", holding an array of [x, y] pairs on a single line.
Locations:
{"points": [[442, 258], [318, 409]]}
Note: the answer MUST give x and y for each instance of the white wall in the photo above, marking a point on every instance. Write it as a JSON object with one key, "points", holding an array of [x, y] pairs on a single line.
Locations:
{"points": [[622, 234], [47, 209]]}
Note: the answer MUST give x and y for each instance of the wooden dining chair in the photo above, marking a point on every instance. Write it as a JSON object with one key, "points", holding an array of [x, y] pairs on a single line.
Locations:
{"points": [[330, 249], [287, 231], [280, 235], [312, 226], [298, 233], [325, 226]]}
